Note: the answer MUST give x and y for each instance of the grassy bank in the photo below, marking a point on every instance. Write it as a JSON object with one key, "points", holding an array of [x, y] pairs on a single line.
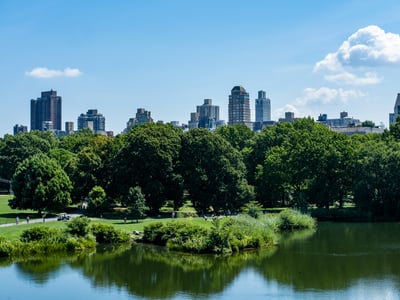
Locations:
{"points": [[229, 234], [59, 237]]}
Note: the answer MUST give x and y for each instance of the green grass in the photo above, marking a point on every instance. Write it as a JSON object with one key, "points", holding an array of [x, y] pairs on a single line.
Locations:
{"points": [[8, 215]]}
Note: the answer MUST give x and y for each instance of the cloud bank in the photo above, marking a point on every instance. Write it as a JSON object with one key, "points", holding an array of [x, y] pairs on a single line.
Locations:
{"points": [[326, 95], [368, 47], [47, 73]]}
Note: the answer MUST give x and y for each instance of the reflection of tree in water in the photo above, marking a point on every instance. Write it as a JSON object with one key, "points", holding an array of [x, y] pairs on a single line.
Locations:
{"points": [[42, 268], [157, 273], [337, 256]]}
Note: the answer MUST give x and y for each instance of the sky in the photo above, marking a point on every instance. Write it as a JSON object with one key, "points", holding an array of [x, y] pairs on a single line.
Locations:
{"points": [[310, 57]]}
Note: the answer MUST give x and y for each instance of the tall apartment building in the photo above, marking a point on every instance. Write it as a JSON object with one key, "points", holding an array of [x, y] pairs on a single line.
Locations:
{"points": [[69, 127], [263, 108], [46, 112], [92, 120], [239, 107], [208, 114], [20, 129], [142, 116]]}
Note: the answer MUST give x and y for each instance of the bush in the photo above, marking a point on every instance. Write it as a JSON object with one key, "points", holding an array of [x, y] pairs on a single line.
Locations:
{"points": [[290, 219], [177, 235], [41, 233], [6, 248], [253, 209], [107, 234], [242, 232], [78, 226]]}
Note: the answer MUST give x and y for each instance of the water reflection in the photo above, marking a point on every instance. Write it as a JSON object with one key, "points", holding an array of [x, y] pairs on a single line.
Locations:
{"points": [[334, 258]]}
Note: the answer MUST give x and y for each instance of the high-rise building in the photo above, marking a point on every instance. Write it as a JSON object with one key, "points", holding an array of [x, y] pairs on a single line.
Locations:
{"points": [[194, 120], [20, 129], [69, 127], [92, 120], [46, 112], [239, 107], [263, 108], [208, 114], [142, 116]]}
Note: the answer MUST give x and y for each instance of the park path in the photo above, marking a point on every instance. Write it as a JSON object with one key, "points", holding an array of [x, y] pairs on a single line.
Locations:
{"points": [[34, 221]]}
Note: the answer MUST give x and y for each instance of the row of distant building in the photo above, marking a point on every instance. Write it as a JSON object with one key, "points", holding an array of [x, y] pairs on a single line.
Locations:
{"points": [[46, 115]]}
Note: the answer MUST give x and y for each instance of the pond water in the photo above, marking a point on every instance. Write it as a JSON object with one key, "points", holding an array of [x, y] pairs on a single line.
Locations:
{"points": [[338, 261]]}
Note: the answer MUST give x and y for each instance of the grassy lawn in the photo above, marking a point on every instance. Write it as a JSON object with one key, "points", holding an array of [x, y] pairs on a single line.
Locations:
{"points": [[8, 215]]}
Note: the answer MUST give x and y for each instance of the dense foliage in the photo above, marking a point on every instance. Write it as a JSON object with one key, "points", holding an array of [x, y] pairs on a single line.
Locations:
{"points": [[299, 164], [229, 234]]}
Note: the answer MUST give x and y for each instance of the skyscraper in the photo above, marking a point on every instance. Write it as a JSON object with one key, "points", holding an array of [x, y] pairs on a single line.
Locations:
{"points": [[142, 117], [263, 108], [46, 112], [208, 114], [20, 129], [92, 120], [239, 107]]}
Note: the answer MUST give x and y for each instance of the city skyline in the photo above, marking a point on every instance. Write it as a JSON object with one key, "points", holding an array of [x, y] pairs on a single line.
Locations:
{"points": [[169, 56]]}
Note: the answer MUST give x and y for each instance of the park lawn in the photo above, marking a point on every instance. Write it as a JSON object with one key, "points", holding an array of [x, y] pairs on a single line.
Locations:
{"points": [[8, 215], [13, 232]]}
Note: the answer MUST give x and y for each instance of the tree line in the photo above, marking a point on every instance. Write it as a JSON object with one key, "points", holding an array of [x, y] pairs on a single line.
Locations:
{"points": [[291, 164]]}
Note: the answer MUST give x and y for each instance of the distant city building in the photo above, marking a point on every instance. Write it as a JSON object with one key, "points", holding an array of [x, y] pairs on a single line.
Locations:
{"points": [[194, 120], [69, 127], [263, 111], [396, 110], [357, 130], [289, 117], [142, 117], [46, 112], [239, 107], [208, 114], [20, 129], [343, 121], [93, 121], [263, 107]]}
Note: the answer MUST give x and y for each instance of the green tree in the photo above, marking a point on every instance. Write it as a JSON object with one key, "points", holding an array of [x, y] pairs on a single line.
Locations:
{"points": [[15, 148], [40, 183], [148, 159], [309, 164], [97, 201], [214, 172], [85, 171], [368, 123], [237, 135], [137, 203]]}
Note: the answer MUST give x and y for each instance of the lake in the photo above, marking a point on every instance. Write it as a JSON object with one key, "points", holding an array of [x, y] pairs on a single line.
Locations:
{"points": [[338, 261]]}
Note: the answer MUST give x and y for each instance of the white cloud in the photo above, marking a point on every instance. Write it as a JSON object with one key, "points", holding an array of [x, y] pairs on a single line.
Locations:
{"points": [[368, 46], [325, 95], [280, 112], [367, 78], [47, 73]]}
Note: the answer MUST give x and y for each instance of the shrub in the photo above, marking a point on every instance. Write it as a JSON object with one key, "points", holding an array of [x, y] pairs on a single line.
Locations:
{"points": [[290, 219], [41, 233], [177, 235], [6, 248], [78, 226], [253, 209], [242, 232], [153, 233], [107, 234]]}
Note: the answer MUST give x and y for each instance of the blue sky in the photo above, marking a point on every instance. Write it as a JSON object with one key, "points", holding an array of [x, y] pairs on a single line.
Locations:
{"points": [[310, 57]]}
